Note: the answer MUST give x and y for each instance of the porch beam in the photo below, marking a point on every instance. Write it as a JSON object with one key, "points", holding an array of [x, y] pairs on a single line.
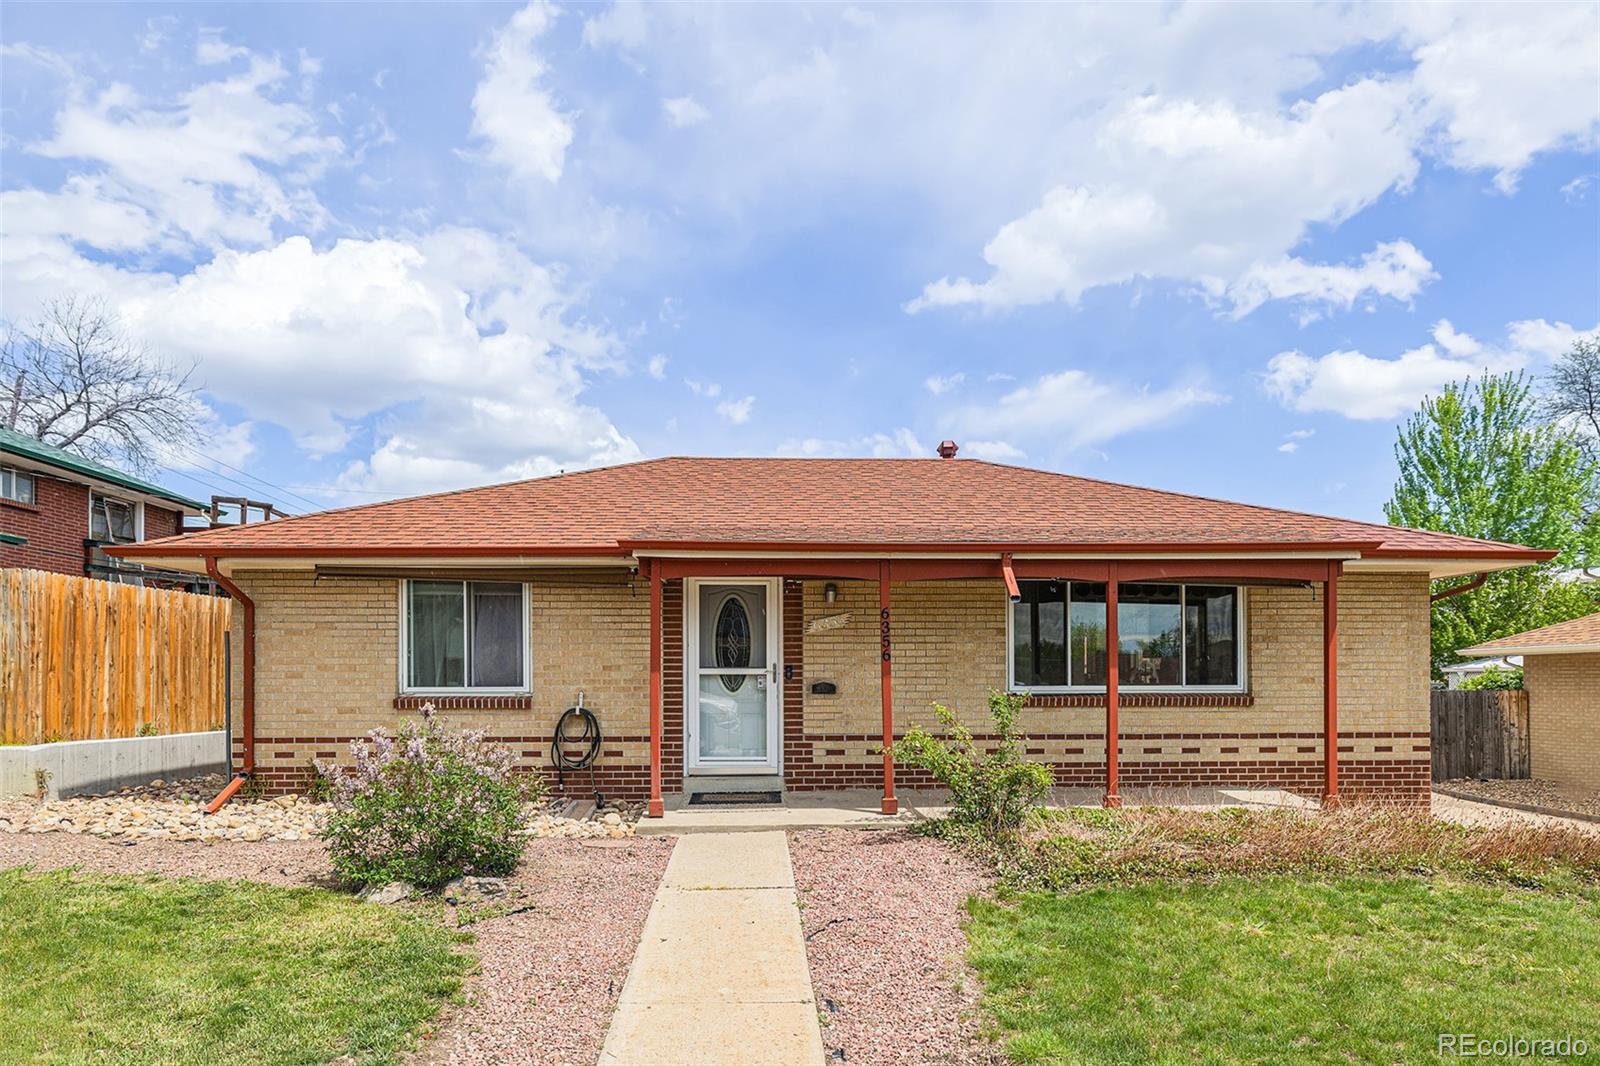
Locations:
{"points": [[1330, 686], [859, 569], [1302, 570], [653, 569], [1113, 736], [891, 805]]}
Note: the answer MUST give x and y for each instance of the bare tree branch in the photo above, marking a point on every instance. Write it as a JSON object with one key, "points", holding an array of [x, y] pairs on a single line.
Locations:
{"points": [[78, 381]]}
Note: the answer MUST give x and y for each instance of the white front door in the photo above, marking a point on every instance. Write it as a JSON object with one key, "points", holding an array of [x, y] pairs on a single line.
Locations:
{"points": [[731, 692]]}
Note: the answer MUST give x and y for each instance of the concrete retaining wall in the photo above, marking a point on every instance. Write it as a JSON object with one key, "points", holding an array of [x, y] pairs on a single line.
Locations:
{"points": [[77, 767]]}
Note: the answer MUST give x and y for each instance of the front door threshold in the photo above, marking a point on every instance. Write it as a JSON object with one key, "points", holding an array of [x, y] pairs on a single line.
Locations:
{"points": [[703, 782]]}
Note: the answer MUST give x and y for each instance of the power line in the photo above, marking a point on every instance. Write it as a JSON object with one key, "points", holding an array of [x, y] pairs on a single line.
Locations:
{"points": [[255, 477]]}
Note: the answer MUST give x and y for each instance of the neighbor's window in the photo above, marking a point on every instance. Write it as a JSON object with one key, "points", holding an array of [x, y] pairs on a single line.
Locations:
{"points": [[111, 520], [1168, 636], [16, 484], [466, 635]]}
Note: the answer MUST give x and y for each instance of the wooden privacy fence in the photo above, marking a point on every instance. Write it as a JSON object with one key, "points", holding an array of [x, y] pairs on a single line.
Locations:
{"points": [[1480, 734], [84, 659]]}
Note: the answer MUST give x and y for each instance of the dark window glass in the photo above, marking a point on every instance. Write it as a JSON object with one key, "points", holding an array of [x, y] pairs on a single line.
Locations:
{"points": [[496, 634], [436, 639], [461, 630], [110, 520], [1211, 642], [1088, 633], [1149, 635], [1038, 637]]}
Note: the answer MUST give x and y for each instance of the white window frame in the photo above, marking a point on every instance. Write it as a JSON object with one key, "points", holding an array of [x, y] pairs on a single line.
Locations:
{"points": [[1242, 615], [138, 515], [33, 481], [407, 689]]}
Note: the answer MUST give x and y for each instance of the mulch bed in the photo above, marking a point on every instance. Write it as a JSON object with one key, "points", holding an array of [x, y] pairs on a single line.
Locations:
{"points": [[882, 914], [549, 976]]}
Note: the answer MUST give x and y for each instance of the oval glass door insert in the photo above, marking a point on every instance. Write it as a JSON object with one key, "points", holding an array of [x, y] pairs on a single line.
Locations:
{"points": [[733, 641]]}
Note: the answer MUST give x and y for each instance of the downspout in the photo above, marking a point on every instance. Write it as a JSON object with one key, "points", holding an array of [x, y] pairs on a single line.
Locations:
{"points": [[1009, 575], [249, 667], [1457, 590]]}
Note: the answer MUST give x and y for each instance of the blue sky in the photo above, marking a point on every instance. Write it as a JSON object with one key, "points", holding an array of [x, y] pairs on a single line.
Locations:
{"points": [[1220, 249]]}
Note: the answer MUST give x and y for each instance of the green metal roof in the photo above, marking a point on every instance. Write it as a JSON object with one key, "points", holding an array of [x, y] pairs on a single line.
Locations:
{"points": [[14, 443]]}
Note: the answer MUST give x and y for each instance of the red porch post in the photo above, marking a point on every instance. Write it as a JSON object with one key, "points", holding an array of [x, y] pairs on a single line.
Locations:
{"points": [[1112, 798], [1330, 686], [653, 569], [891, 805]]}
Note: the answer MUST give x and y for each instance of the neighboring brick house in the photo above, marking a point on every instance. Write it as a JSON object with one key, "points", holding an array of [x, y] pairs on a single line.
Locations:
{"points": [[1561, 671], [58, 510], [772, 621]]}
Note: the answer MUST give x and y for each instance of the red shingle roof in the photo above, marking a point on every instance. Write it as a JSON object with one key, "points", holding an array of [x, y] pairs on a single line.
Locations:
{"points": [[790, 503], [1578, 634]]}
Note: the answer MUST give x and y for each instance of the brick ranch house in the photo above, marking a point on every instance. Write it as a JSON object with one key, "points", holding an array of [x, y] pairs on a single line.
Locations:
{"points": [[1561, 671], [779, 619], [60, 510]]}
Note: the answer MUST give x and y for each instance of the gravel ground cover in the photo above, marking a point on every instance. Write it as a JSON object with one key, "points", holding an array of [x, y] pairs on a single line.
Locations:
{"points": [[289, 863], [175, 810], [1532, 791], [882, 914], [551, 973]]}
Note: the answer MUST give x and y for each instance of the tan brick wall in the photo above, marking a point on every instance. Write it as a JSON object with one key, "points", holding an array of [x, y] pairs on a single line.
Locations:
{"points": [[327, 670], [1564, 718], [327, 666], [949, 640]]}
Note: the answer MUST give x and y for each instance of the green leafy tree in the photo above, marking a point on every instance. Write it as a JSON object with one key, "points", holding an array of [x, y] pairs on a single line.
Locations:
{"points": [[1480, 460]]}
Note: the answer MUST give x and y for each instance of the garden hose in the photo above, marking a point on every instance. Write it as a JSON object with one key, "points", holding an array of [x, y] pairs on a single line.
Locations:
{"points": [[586, 737]]}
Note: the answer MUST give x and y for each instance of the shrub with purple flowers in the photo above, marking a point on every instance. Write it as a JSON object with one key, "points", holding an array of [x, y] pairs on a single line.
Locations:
{"points": [[426, 805]]}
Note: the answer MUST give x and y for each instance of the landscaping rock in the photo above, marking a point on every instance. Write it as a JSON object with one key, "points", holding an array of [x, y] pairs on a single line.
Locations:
{"points": [[174, 810], [473, 889], [388, 895]]}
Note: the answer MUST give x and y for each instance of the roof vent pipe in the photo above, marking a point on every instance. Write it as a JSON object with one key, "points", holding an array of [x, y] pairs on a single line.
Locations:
{"points": [[948, 449]]}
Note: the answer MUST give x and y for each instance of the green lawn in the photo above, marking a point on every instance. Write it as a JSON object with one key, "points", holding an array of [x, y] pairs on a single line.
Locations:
{"points": [[144, 970], [1352, 969]]}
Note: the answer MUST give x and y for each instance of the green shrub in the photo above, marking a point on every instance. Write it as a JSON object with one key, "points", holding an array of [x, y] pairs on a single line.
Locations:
{"points": [[991, 791], [148, 729], [1495, 677], [425, 806]]}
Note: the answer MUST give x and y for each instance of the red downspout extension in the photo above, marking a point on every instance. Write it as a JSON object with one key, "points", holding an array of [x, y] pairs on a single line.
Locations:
{"points": [[653, 570], [1010, 577], [1113, 737], [1330, 686], [1457, 590], [891, 805], [249, 725]]}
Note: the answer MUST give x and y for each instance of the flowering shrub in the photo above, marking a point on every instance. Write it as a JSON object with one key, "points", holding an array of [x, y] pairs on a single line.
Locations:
{"points": [[425, 805], [991, 791]]}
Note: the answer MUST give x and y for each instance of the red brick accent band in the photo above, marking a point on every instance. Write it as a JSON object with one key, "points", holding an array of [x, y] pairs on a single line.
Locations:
{"points": [[1125, 698], [523, 702]]}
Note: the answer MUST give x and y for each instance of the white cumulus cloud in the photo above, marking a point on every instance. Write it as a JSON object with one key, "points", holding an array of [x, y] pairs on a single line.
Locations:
{"points": [[1363, 387], [513, 109], [1075, 409]]}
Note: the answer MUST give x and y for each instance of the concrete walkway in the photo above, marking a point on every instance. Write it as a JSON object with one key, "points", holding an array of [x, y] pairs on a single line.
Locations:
{"points": [[720, 975]]}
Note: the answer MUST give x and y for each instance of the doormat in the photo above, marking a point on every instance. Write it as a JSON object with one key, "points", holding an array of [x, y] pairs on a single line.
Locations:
{"points": [[734, 799]]}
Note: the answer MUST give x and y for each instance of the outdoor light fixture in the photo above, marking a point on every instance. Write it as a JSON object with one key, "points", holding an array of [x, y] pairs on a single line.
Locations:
{"points": [[830, 592]]}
